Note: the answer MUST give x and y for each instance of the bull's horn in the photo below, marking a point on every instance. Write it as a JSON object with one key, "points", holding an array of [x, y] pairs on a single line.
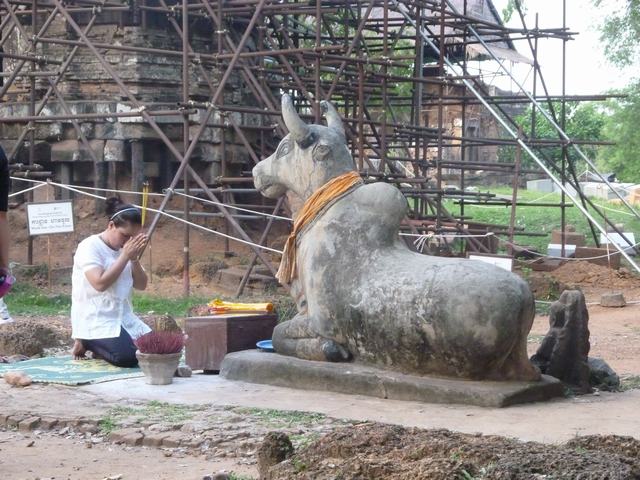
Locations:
{"points": [[333, 118], [300, 131]]}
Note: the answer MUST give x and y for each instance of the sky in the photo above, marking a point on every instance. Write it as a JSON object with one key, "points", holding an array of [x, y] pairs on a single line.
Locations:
{"points": [[588, 71]]}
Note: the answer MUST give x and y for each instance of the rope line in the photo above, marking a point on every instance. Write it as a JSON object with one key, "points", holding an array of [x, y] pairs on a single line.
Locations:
{"points": [[420, 240], [26, 190], [191, 224], [204, 200]]}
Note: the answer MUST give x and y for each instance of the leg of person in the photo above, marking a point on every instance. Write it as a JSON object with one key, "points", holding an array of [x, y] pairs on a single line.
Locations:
{"points": [[78, 350], [5, 316], [119, 351]]}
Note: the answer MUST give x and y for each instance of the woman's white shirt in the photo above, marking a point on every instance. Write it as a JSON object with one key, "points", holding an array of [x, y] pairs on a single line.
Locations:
{"points": [[97, 314]]}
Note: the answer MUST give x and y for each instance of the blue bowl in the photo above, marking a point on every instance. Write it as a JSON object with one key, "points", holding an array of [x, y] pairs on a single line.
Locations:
{"points": [[265, 346]]}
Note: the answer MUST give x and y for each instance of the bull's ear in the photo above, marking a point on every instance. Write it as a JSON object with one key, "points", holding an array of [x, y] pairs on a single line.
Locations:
{"points": [[300, 131], [334, 121]]}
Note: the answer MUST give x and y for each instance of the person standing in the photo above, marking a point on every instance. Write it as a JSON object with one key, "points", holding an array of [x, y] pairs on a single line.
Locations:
{"points": [[6, 279], [106, 269]]}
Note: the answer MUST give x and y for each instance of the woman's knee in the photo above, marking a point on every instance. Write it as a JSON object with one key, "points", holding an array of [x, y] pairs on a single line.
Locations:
{"points": [[125, 360]]}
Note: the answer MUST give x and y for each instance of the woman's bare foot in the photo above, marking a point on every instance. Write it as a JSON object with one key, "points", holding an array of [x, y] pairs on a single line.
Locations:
{"points": [[78, 350]]}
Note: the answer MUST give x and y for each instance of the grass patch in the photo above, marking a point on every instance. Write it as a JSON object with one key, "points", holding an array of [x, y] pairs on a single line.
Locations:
{"points": [[177, 307], [239, 476], [281, 418], [535, 338], [631, 382], [154, 411], [541, 219], [25, 299], [303, 440]]}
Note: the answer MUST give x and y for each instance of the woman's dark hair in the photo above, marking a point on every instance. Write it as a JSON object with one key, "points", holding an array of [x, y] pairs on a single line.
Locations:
{"points": [[121, 213]]}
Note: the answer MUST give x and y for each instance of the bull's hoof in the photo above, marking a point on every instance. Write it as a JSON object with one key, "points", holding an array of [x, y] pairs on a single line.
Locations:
{"points": [[334, 352]]}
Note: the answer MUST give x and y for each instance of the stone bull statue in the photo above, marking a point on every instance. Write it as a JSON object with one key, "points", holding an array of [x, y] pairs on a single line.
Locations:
{"points": [[363, 295]]}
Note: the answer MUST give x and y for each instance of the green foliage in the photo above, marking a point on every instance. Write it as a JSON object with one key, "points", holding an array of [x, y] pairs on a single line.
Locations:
{"points": [[239, 476], [584, 121], [631, 382], [143, 303], [620, 31], [510, 9], [541, 219], [25, 299], [280, 418], [621, 127], [154, 411]]}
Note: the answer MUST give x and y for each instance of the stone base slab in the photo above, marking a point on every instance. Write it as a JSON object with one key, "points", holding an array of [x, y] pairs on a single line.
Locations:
{"points": [[273, 369]]}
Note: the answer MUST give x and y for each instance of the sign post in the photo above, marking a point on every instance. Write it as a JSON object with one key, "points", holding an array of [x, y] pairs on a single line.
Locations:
{"points": [[47, 218]]}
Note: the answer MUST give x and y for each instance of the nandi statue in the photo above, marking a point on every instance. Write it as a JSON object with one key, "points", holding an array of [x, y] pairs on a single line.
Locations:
{"points": [[362, 294]]}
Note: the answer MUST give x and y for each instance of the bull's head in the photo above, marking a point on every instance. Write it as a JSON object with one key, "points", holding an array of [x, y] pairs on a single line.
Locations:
{"points": [[308, 157]]}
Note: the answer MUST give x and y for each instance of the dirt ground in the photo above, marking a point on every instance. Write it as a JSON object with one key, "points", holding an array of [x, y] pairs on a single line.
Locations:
{"points": [[39, 456], [379, 451]]}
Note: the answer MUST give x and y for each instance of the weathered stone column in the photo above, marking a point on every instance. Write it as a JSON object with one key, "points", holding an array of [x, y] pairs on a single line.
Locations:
{"points": [[137, 166]]}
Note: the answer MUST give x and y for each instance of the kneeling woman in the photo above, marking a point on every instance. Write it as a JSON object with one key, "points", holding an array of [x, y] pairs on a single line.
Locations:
{"points": [[106, 269]]}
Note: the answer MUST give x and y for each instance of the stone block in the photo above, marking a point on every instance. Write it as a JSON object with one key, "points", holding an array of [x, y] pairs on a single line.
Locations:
{"points": [[173, 440], [14, 420], [612, 300], [47, 423], [114, 151], [42, 152], [3, 419], [151, 169], [75, 151], [154, 439], [209, 172], [602, 376], [183, 371], [128, 436], [570, 238], [28, 424], [600, 256], [564, 350]]}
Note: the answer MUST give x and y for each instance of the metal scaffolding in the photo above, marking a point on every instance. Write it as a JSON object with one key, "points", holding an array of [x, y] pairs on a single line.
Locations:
{"points": [[399, 72]]}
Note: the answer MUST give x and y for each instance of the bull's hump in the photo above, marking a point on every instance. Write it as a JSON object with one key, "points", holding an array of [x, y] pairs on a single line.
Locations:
{"points": [[381, 197]]}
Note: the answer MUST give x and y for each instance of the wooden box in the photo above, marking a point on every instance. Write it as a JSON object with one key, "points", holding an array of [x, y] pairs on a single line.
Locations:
{"points": [[212, 337]]}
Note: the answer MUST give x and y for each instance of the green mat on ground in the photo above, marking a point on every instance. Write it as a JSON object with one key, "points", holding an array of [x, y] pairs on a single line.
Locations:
{"points": [[67, 371]]}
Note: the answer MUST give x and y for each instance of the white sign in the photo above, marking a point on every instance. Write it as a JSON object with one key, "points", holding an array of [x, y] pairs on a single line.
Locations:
{"points": [[621, 242], [505, 263], [50, 217]]}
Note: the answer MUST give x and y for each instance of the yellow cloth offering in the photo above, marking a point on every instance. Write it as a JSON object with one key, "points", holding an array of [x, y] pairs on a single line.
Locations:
{"points": [[220, 306]]}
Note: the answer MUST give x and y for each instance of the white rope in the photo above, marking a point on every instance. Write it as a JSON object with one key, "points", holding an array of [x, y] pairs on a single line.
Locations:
{"points": [[28, 180], [204, 200], [26, 190], [420, 241], [607, 255], [119, 191], [447, 235], [194, 225]]}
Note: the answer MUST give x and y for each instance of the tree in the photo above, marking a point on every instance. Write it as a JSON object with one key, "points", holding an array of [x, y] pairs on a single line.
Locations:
{"points": [[510, 8], [621, 126], [620, 33], [584, 121]]}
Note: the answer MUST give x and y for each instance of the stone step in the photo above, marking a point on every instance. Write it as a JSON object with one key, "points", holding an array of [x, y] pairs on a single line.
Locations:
{"points": [[232, 276]]}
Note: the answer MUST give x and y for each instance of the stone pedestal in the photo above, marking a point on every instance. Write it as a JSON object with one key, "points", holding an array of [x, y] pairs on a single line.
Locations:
{"points": [[274, 369]]}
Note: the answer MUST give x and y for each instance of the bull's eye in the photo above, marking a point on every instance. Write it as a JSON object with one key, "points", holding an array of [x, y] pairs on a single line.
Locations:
{"points": [[321, 152], [285, 148]]}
